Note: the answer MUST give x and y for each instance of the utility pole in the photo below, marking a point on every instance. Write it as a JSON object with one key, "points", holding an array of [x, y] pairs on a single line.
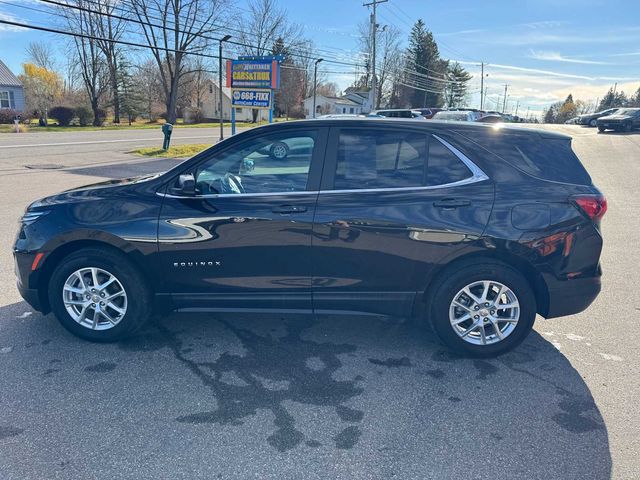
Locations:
{"points": [[481, 85], [527, 117], [504, 103], [517, 106], [315, 84], [484, 96], [374, 31], [615, 87]]}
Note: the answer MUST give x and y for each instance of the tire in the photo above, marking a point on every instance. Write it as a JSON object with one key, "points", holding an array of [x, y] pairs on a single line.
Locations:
{"points": [[449, 287], [593, 123], [601, 129], [124, 314], [627, 127], [279, 151]]}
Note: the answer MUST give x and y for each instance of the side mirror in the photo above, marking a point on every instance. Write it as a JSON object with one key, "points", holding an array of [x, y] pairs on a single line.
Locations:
{"points": [[185, 185]]}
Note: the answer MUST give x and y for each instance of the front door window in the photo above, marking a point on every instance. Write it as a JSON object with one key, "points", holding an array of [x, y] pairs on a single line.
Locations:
{"points": [[270, 164]]}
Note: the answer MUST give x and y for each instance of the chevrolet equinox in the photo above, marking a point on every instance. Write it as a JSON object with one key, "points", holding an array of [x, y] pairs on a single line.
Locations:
{"points": [[470, 228]]}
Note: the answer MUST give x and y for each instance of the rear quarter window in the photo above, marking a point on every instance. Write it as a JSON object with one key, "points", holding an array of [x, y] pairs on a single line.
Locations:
{"points": [[545, 158]]}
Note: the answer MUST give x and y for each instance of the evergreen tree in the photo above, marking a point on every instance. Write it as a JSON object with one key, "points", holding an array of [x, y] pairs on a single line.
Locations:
{"points": [[423, 58], [289, 97], [566, 111], [456, 91]]}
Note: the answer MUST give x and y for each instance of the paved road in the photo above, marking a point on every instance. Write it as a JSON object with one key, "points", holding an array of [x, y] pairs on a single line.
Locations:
{"points": [[80, 148], [232, 396]]}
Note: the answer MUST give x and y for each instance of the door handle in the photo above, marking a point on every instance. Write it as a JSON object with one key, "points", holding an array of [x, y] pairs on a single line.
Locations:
{"points": [[284, 209], [451, 203]]}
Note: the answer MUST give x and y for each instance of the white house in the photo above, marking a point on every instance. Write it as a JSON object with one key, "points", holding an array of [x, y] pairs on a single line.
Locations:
{"points": [[210, 107], [352, 102]]}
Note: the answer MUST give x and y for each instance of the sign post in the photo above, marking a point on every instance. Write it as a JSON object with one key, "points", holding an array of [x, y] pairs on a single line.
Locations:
{"points": [[253, 81]]}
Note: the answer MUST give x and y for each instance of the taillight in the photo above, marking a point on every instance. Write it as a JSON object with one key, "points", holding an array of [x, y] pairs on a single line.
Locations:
{"points": [[595, 206]]}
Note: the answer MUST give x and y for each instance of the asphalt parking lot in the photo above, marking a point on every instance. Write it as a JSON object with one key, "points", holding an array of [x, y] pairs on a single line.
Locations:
{"points": [[259, 396]]}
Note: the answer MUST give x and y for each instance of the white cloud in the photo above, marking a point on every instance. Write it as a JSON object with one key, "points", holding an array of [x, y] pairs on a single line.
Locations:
{"points": [[629, 54], [557, 57], [10, 18]]}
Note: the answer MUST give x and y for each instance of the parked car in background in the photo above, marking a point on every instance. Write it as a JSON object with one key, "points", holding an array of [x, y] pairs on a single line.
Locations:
{"points": [[623, 120], [340, 115], [470, 229], [428, 112], [457, 115], [393, 113], [592, 118], [571, 121], [490, 119]]}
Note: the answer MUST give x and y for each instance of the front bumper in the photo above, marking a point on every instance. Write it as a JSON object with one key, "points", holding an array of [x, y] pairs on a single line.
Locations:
{"points": [[32, 297], [573, 297], [27, 281], [611, 125]]}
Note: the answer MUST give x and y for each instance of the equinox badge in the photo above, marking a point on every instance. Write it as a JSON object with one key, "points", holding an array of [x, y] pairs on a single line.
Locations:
{"points": [[208, 263]]}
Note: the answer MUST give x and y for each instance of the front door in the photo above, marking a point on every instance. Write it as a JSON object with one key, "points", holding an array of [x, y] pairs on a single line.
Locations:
{"points": [[244, 239], [393, 204]]}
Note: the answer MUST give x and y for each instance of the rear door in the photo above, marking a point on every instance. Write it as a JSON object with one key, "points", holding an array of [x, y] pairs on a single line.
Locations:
{"points": [[394, 202]]}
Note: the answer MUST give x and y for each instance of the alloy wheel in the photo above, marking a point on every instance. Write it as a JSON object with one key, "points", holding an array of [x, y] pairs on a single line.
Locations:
{"points": [[94, 298], [279, 151], [484, 312]]}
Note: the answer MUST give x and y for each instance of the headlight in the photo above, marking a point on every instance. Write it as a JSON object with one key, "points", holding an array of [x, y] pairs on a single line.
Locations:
{"points": [[30, 217]]}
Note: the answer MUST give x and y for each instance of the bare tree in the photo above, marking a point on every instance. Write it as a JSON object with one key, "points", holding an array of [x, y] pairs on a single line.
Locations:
{"points": [[264, 26], [110, 28], [90, 59], [388, 55], [173, 30], [147, 78], [42, 55]]}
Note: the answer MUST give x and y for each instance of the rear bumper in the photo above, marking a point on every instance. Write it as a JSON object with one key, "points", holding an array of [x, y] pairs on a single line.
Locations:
{"points": [[574, 297]]}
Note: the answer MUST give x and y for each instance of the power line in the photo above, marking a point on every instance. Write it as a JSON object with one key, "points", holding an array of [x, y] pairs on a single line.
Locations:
{"points": [[197, 34]]}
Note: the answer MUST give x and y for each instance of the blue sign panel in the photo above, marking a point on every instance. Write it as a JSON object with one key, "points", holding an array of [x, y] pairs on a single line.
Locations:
{"points": [[251, 98]]}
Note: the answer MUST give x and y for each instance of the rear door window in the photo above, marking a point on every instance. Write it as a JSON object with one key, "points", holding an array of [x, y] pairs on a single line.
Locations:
{"points": [[444, 167], [373, 159]]}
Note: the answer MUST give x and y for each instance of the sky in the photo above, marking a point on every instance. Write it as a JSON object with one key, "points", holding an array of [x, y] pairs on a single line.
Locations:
{"points": [[543, 49]]}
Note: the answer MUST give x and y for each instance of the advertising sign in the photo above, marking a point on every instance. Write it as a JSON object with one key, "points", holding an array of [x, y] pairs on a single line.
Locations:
{"points": [[251, 98], [255, 73]]}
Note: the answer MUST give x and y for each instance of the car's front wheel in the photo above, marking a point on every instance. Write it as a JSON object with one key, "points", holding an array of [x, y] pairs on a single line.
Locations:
{"points": [[97, 294], [593, 123], [482, 309]]}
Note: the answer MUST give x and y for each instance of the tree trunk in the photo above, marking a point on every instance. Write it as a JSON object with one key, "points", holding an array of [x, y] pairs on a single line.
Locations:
{"points": [[95, 108], [171, 103], [116, 94]]}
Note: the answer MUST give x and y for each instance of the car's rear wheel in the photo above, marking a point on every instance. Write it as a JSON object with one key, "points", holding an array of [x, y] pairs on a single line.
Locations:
{"points": [[482, 309], [593, 123], [279, 151], [97, 294]]}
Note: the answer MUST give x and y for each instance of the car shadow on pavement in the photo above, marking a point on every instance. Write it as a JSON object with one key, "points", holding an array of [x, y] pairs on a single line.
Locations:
{"points": [[271, 386]]}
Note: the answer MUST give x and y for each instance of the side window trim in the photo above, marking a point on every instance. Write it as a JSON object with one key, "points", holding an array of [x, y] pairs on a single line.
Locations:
{"points": [[476, 172]]}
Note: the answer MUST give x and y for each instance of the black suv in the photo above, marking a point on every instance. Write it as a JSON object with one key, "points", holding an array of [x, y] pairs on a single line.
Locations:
{"points": [[622, 120], [470, 228]]}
